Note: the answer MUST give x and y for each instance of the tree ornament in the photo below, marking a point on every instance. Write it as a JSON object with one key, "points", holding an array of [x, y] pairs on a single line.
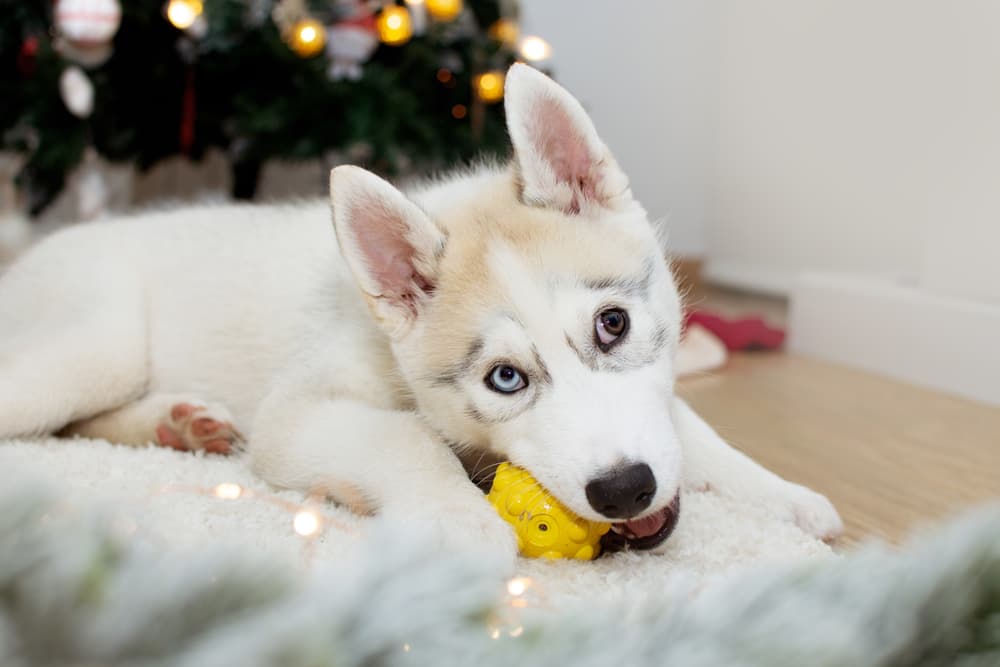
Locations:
{"points": [[308, 37], [183, 14], [444, 10], [77, 92], [418, 16], [351, 42], [286, 13], [394, 27], [86, 29], [489, 86], [27, 56]]}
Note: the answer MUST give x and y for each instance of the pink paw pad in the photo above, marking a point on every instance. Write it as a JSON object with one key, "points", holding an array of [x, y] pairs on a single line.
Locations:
{"points": [[192, 427]]}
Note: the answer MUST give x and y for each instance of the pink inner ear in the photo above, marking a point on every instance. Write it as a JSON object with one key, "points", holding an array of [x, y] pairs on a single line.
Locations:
{"points": [[381, 238], [559, 142]]}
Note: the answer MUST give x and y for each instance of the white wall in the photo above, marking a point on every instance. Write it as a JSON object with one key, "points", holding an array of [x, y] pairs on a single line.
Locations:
{"points": [[644, 70], [860, 136]]}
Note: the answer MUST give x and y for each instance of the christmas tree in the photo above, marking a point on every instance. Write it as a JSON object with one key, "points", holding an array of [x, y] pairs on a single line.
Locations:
{"points": [[395, 87]]}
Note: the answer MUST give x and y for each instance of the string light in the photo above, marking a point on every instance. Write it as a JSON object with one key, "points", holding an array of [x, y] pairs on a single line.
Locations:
{"points": [[308, 37], [394, 26], [444, 10], [505, 31], [306, 520], [228, 491], [306, 523], [517, 632], [535, 48], [489, 86], [183, 13], [518, 585], [459, 111]]}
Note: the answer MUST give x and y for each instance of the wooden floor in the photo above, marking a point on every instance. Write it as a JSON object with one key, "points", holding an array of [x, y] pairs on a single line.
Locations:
{"points": [[890, 456]]}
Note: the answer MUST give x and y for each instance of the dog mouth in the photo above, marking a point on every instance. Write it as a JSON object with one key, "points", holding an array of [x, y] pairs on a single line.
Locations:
{"points": [[647, 532]]}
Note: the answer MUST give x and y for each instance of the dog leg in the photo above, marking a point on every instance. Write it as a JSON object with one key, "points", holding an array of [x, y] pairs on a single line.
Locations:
{"points": [[376, 459], [177, 421], [711, 463], [72, 338]]}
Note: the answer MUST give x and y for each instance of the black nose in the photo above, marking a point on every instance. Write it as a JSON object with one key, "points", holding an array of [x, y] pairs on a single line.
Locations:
{"points": [[624, 492]]}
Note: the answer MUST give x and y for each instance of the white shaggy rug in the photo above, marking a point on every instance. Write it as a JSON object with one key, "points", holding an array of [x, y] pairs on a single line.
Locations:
{"points": [[167, 496]]}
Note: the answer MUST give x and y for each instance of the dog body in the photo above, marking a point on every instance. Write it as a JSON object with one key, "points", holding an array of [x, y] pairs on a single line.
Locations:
{"points": [[521, 312]]}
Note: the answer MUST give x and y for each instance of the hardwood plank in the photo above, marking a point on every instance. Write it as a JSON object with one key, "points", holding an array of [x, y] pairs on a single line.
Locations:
{"points": [[890, 456]]}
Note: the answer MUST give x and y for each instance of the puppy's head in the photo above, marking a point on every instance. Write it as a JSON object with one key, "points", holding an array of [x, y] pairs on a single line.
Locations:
{"points": [[533, 316]]}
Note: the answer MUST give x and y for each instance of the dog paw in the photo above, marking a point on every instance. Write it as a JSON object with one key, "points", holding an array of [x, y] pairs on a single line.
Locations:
{"points": [[194, 426], [810, 511]]}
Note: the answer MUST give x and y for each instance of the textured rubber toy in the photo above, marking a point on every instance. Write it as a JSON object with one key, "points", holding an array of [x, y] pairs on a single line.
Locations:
{"points": [[545, 527]]}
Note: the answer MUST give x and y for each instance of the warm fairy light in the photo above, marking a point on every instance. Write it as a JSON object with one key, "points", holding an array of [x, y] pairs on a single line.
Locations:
{"points": [[183, 13], [495, 633], [459, 111], [444, 75], [308, 37], [504, 30], [518, 585], [228, 491], [489, 86], [306, 523], [394, 26], [406, 648], [517, 632], [535, 48], [444, 10]]}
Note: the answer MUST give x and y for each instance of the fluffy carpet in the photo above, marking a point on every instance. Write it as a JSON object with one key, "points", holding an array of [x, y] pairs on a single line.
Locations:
{"points": [[715, 536], [169, 574]]}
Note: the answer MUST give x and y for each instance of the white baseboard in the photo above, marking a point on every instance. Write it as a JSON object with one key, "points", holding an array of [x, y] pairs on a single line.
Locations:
{"points": [[904, 332], [749, 277]]}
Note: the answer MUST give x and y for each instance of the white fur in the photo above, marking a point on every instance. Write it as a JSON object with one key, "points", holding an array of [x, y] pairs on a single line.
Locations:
{"points": [[257, 308]]}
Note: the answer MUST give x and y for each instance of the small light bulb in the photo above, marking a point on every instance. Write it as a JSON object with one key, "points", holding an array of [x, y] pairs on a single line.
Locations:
{"points": [[535, 48], [495, 633], [517, 632], [406, 647], [518, 585], [307, 34], [306, 523], [228, 491], [444, 10], [394, 25], [489, 86], [183, 13]]}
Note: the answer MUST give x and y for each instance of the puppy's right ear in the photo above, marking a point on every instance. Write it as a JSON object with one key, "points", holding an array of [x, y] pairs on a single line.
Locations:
{"points": [[389, 244]]}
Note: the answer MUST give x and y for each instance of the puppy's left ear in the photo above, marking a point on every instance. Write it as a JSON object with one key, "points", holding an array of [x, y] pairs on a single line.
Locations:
{"points": [[561, 161], [389, 243]]}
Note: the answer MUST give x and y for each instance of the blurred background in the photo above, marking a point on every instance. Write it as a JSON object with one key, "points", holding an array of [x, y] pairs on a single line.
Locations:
{"points": [[831, 168]]}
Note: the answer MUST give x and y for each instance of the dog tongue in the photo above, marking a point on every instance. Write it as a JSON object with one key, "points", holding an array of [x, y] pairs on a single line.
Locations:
{"points": [[646, 526]]}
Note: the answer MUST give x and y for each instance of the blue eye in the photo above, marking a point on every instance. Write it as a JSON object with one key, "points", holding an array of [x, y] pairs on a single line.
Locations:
{"points": [[506, 379]]}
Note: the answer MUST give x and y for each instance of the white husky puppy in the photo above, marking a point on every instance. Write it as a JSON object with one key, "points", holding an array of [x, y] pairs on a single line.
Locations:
{"points": [[523, 312]]}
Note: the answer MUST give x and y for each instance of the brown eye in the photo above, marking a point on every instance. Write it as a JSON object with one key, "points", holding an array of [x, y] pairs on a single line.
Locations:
{"points": [[610, 326]]}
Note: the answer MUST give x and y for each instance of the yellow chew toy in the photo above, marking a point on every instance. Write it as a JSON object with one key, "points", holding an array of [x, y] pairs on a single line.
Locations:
{"points": [[545, 527]]}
